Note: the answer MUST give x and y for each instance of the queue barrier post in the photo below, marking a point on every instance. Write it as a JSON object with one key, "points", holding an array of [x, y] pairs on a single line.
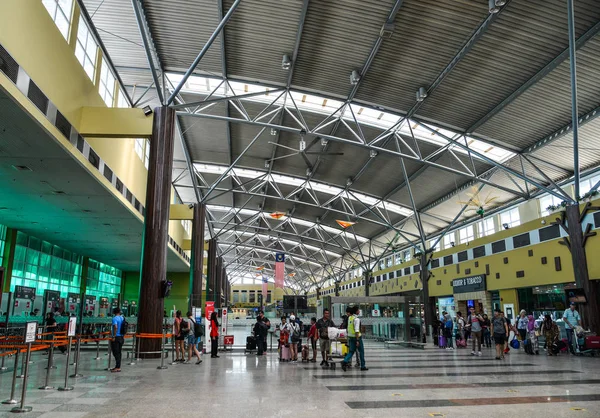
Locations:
{"points": [[22, 407], [66, 386], [2, 366], [11, 400], [51, 363], [22, 374], [109, 351], [162, 352], [173, 350], [76, 373], [50, 367], [133, 341], [97, 349]]}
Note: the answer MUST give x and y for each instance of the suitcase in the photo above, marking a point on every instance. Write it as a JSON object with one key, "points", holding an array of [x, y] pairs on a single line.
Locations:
{"points": [[563, 345], [528, 346], [442, 341], [250, 343], [592, 343], [304, 353], [461, 343], [284, 353]]}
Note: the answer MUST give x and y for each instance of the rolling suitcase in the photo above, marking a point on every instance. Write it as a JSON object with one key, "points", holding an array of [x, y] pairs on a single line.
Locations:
{"points": [[284, 353], [304, 353], [592, 343], [250, 344], [442, 341]]}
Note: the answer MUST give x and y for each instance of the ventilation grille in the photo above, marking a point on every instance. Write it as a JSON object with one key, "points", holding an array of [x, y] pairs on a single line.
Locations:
{"points": [[63, 125], [8, 65], [94, 159], [38, 98], [108, 173]]}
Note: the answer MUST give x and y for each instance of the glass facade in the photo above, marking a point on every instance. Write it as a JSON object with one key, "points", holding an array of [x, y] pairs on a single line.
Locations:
{"points": [[42, 265], [2, 243], [103, 280]]}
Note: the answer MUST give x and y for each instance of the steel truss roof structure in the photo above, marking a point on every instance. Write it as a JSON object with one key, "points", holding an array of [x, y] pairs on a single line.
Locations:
{"points": [[334, 131]]}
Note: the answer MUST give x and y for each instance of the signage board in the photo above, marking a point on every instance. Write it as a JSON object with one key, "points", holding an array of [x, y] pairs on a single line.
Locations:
{"points": [[209, 308], [375, 313], [30, 332], [24, 292], [223, 321], [469, 284], [72, 326], [228, 340]]}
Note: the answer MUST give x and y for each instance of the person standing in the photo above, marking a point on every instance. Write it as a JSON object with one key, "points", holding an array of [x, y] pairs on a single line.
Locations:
{"points": [[572, 320], [214, 335], [448, 330], [550, 331], [180, 335], [486, 324], [460, 325], [474, 322], [117, 341], [325, 344], [522, 326], [260, 334], [193, 338], [313, 336], [354, 341], [531, 334], [293, 330], [500, 333]]}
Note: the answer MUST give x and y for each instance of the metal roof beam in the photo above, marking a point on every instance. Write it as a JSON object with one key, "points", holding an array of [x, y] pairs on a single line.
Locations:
{"points": [[547, 69], [204, 50]]}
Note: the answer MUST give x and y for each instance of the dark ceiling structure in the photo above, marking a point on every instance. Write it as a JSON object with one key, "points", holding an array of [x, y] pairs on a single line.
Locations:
{"points": [[383, 113]]}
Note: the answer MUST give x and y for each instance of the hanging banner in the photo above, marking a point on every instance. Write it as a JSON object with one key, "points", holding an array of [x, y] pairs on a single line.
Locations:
{"points": [[279, 269]]}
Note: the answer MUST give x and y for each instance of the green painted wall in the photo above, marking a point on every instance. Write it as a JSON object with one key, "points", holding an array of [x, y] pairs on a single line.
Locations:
{"points": [[179, 290]]}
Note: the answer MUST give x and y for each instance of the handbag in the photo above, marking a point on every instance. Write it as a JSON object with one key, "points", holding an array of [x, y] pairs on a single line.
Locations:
{"points": [[514, 343]]}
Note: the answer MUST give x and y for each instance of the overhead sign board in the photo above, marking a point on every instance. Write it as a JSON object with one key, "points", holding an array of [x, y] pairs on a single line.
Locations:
{"points": [[469, 284], [30, 332]]}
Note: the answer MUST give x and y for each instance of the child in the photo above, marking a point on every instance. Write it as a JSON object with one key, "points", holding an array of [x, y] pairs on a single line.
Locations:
{"points": [[313, 336]]}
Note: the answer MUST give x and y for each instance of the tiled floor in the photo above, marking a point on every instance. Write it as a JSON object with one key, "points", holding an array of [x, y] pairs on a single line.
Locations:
{"points": [[400, 382]]}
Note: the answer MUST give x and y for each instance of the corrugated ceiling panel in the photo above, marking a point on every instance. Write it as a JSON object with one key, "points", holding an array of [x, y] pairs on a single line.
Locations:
{"points": [[180, 29], [117, 26], [337, 38], [427, 35], [257, 36], [525, 37], [546, 107]]}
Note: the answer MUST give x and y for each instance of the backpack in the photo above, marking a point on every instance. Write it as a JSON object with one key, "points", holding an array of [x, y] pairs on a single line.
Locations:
{"points": [[124, 327], [198, 330], [449, 324], [184, 327], [295, 332]]}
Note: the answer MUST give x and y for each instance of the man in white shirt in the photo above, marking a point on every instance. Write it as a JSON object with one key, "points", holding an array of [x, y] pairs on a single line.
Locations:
{"points": [[572, 319], [354, 341]]}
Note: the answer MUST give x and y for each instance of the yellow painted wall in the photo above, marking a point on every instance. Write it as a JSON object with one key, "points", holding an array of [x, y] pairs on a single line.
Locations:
{"points": [[257, 288]]}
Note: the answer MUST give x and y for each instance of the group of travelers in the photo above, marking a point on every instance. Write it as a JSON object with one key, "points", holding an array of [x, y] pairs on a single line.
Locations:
{"points": [[525, 331], [322, 331]]}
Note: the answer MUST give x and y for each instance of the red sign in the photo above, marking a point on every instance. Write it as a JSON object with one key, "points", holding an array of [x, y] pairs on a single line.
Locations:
{"points": [[210, 308], [228, 340]]}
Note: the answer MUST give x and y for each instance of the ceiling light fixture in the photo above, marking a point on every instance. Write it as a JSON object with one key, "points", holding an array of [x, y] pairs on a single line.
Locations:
{"points": [[354, 77], [324, 142], [452, 243], [372, 153], [506, 226], [421, 94], [286, 62], [302, 145], [500, 2], [273, 131], [147, 110], [494, 7], [21, 168]]}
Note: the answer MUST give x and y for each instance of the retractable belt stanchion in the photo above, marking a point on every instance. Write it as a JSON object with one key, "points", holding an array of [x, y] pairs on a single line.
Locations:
{"points": [[78, 350], [162, 352], [11, 400], [50, 367], [173, 349], [97, 350], [109, 351], [66, 386], [22, 407], [51, 352], [133, 341], [22, 374]]}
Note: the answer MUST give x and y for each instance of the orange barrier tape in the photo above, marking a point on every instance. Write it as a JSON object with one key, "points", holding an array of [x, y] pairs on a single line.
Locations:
{"points": [[8, 353], [153, 335]]}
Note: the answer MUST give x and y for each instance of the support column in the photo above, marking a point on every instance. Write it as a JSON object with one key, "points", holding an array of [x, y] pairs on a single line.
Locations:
{"points": [[576, 243], [217, 282], [156, 229], [212, 269], [428, 302], [9, 257], [197, 259], [368, 275]]}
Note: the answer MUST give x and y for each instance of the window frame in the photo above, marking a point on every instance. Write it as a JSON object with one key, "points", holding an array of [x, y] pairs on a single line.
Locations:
{"points": [[57, 11], [83, 46]]}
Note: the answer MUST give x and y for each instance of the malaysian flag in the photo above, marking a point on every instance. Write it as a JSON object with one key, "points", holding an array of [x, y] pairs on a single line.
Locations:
{"points": [[279, 269]]}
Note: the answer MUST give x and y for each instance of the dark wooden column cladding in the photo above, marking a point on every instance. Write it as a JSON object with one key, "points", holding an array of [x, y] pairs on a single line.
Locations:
{"points": [[156, 230], [197, 260]]}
